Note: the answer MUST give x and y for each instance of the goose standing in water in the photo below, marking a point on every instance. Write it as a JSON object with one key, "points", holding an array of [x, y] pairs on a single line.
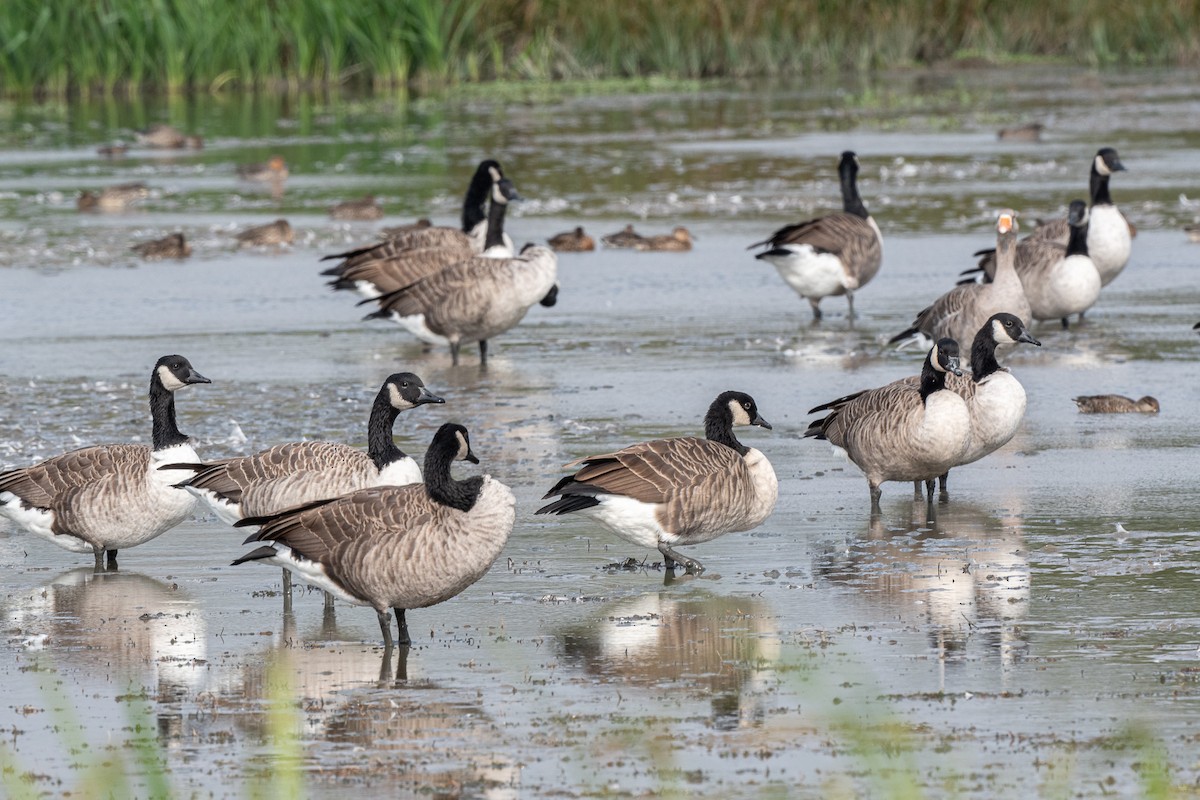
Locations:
{"points": [[902, 431], [1109, 235], [296, 473], [472, 238], [110, 497], [396, 547], [831, 255], [994, 397], [1059, 282], [683, 491], [402, 261], [961, 312], [475, 299]]}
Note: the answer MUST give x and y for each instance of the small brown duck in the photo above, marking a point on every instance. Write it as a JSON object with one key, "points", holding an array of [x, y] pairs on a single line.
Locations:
{"points": [[274, 169], [1115, 404], [1193, 232], [575, 241], [1031, 132], [114, 198], [167, 137], [363, 209], [400, 230], [278, 232], [626, 237], [677, 241], [173, 246], [114, 150]]}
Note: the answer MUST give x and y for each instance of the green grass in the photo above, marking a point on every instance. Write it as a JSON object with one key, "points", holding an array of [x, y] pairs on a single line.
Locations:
{"points": [[62, 46]]}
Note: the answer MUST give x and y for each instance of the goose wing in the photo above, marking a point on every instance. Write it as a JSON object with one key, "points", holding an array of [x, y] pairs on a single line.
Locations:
{"points": [[43, 485]]}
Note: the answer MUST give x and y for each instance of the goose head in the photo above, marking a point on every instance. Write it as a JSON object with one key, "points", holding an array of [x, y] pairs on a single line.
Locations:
{"points": [[741, 408], [405, 390], [175, 372], [1005, 328], [1107, 161], [1077, 215], [944, 356]]}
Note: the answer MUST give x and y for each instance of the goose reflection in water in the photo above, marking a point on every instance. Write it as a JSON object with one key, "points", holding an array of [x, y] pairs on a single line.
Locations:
{"points": [[721, 647], [122, 624], [964, 569]]}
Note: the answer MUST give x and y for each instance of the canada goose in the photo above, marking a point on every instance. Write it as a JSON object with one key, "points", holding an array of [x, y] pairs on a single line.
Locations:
{"points": [[831, 255], [475, 299], [575, 241], [626, 237], [171, 246], [1030, 132], [392, 265], [1115, 404], [273, 170], [677, 241], [1059, 281], [292, 474], [396, 547], [363, 209], [167, 137], [961, 312], [1109, 237], [902, 432], [278, 232], [994, 397], [472, 235], [110, 497], [113, 198], [680, 491]]}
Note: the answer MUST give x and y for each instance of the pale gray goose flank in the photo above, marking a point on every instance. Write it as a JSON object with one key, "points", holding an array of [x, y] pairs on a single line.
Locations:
{"points": [[392, 265], [475, 299], [1115, 404], [110, 497], [396, 547], [831, 255], [901, 431], [994, 397], [1110, 236], [683, 491], [961, 312]]}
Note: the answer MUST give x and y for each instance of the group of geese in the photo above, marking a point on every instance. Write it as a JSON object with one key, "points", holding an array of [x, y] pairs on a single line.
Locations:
{"points": [[374, 529], [452, 286], [1055, 272]]}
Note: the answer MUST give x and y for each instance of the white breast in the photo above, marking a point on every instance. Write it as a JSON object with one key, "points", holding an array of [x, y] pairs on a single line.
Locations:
{"points": [[996, 412], [812, 274], [1109, 241]]}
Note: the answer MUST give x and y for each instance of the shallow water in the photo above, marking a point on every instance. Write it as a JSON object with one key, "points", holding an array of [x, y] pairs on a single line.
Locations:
{"points": [[1013, 644]]}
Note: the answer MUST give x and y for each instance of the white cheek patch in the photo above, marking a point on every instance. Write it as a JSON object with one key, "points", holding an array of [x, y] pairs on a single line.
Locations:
{"points": [[998, 334], [935, 359], [497, 195], [1101, 167], [396, 399], [463, 447], [495, 173], [168, 379], [740, 415]]}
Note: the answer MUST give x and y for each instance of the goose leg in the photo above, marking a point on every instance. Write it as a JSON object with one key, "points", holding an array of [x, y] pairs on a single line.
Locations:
{"points": [[943, 492], [385, 627], [850, 302], [815, 302], [918, 494], [287, 592], [876, 493], [402, 624], [328, 601], [1066, 323], [454, 354], [670, 558], [112, 560], [929, 484], [99, 553], [483, 352]]}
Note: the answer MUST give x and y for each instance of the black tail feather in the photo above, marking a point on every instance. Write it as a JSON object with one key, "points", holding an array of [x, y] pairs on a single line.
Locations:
{"points": [[568, 503], [255, 555]]}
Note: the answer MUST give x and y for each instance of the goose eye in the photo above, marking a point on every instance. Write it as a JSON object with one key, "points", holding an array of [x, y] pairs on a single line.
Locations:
{"points": [[746, 406]]}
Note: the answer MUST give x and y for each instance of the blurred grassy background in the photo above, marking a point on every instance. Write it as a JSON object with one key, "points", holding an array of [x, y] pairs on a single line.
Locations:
{"points": [[60, 46]]}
